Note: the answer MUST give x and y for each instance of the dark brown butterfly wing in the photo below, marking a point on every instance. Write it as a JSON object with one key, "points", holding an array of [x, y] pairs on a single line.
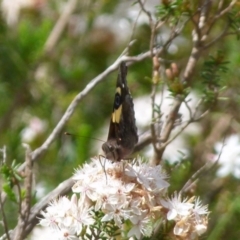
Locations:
{"points": [[122, 136]]}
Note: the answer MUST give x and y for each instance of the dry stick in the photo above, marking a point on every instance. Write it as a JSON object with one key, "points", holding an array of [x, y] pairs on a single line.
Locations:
{"points": [[226, 10], [177, 103], [4, 219], [143, 142], [217, 16], [221, 35], [157, 153], [191, 120], [26, 203], [195, 55], [220, 5], [209, 141], [152, 25], [60, 25], [134, 28], [62, 189], [207, 166]]}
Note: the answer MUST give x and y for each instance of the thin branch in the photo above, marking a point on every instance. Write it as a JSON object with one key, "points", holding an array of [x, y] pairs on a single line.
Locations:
{"points": [[204, 14], [62, 189], [142, 143], [189, 109], [217, 16], [134, 25], [157, 151], [146, 11], [4, 154], [220, 4], [207, 166], [152, 26], [220, 36], [26, 203], [4, 219], [28, 183], [226, 10], [183, 128], [60, 25]]}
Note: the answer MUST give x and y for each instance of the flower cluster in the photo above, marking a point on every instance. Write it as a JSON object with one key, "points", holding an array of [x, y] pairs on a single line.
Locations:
{"points": [[190, 216], [132, 196]]}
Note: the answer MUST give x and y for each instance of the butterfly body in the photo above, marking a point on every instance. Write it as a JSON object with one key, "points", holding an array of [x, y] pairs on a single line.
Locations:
{"points": [[122, 136]]}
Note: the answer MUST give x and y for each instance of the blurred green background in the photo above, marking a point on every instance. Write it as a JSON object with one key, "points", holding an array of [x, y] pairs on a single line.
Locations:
{"points": [[37, 85]]}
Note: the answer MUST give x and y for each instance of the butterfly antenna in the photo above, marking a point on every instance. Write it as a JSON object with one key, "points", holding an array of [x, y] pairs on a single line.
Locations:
{"points": [[103, 166], [70, 134]]}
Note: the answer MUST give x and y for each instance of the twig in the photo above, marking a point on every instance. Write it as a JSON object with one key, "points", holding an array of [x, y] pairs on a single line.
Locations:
{"points": [[143, 142], [4, 219], [152, 26], [4, 154], [204, 14], [60, 25], [62, 189], [157, 151], [134, 26], [184, 127], [217, 16], [200, 171], [25, 207], [221, 35], [226, 10], [189, 109]]}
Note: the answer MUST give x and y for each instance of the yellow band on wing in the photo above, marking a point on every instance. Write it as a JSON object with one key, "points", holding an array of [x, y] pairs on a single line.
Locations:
{"points": [[118, 90], [116, 115]]}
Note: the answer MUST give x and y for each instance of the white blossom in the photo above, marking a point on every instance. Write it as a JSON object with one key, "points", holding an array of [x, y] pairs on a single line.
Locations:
{"points": [[132, 196], [177, 207]]}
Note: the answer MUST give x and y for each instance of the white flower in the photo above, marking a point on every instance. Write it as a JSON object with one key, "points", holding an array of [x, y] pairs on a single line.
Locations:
{"points": [[177, 207], [56, 212], [67, 215], [103, 198], [200, 214], [198, 208], [190, 218], [119, 192], [91, 169], [152, 178], [67, 234], [131, 195], [49, 220], [141, 225], [85, 188], [115, 212], [82, 218]]}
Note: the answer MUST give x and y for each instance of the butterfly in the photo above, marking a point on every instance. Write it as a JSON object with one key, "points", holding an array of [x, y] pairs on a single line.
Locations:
{"points": [[122, 135]]}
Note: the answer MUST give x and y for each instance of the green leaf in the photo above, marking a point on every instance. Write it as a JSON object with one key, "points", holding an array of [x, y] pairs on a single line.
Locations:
{"points": [[10, 193]]}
